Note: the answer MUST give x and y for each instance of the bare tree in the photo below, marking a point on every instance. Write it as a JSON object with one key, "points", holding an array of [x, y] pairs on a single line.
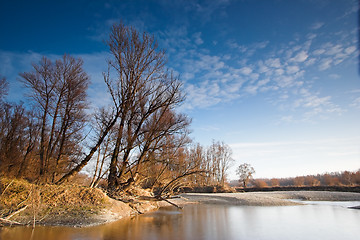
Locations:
{"points": [[58, 91], [17, 139], [107, 121], [144, 94], [219, 158], [245, 172], [42, 84], [4, 87]]}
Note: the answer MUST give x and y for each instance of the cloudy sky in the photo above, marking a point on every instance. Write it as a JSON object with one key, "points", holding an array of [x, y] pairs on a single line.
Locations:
{"points": [[277, 80]]}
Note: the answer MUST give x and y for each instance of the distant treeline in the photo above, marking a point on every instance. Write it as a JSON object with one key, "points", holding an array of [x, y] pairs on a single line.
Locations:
{"points": [[345, 178], [292, 188]]}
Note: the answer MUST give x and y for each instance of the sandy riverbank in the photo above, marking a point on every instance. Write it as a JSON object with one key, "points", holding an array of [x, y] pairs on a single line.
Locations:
{"points": [[265, 198]]}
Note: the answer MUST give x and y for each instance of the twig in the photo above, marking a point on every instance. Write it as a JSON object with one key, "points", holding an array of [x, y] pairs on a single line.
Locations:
{"points": [[6, 221], [16, 212], [25, 199], [7, 187]]}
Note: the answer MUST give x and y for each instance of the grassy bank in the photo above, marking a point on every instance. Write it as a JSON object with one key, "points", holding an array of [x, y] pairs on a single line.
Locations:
{"points": [[25, 203]]}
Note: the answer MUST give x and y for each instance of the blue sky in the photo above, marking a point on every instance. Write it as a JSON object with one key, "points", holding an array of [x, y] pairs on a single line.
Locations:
{"points": [[277, 80]]}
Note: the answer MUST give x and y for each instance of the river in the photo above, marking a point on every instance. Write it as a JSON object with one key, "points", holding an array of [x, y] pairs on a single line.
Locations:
{"points": [[325, 220]]}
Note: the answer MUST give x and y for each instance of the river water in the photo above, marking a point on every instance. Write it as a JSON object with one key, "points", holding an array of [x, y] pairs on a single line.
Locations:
{"points": [[326, 220]]}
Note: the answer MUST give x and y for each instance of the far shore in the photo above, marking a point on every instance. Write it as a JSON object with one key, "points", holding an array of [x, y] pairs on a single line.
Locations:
{"points": [[266, 198]]}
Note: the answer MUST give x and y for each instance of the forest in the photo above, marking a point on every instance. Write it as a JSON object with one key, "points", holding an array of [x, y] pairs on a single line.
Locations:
{"points": [[139, 139]]}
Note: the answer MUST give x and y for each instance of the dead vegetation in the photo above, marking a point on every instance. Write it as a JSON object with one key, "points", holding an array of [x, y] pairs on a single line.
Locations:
{"points": [[25, 203]]}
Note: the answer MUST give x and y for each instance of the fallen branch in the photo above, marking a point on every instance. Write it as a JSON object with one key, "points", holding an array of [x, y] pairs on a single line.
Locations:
{"points": [[16, 212], [155, 199], [163, 199], [8, 222]]}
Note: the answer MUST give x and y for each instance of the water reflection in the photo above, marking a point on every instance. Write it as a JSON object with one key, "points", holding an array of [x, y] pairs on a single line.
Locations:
{"points": [[214, 222]]}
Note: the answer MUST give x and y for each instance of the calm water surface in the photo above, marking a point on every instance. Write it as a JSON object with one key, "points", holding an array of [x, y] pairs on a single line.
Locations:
{"points": [[312, 221]]}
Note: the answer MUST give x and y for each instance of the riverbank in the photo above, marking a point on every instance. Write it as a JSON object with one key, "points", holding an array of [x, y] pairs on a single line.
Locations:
{"points": [[22, 203], [265, 198]]}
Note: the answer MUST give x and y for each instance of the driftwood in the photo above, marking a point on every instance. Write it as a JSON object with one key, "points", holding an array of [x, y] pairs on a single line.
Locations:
{"points": [[16, 212], [6, 222], [159, 198], [166, 200]]}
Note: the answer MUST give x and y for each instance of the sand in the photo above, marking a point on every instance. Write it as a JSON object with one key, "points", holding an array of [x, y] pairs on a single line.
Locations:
{"points": [[265, 198]]}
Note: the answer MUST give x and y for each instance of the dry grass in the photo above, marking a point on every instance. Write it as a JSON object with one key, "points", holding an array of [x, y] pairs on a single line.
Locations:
{"points": [[52, 203]]}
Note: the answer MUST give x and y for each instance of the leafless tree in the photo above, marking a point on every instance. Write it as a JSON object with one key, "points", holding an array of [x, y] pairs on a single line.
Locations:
{"points": [[245, 172], [144, 94], [107, 120], [4, 87], [17, 139], [58, 91], [220, 160]]}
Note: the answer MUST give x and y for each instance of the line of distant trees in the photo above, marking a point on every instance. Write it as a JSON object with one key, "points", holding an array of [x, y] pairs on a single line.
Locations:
{"points": [[139, 139], [345, 178]]}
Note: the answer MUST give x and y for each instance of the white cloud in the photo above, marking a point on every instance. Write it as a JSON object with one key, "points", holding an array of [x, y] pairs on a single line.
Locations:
{"points": [[263, 68], [310, 61], [245, 70], [273, 62], [300, 57], [333, 50], [314, 105], [292, 69], [356, 103], [285, 81], [198, 40], [325, 64], [234, 45], [350, 50], [263, 82], [317, 25], [251, 89], [279, 71], [261, 45], [319, 51], [334, 76]]}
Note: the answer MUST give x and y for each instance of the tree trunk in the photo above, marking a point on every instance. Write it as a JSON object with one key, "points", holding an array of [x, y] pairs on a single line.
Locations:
{"points": [[88, 157]]}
